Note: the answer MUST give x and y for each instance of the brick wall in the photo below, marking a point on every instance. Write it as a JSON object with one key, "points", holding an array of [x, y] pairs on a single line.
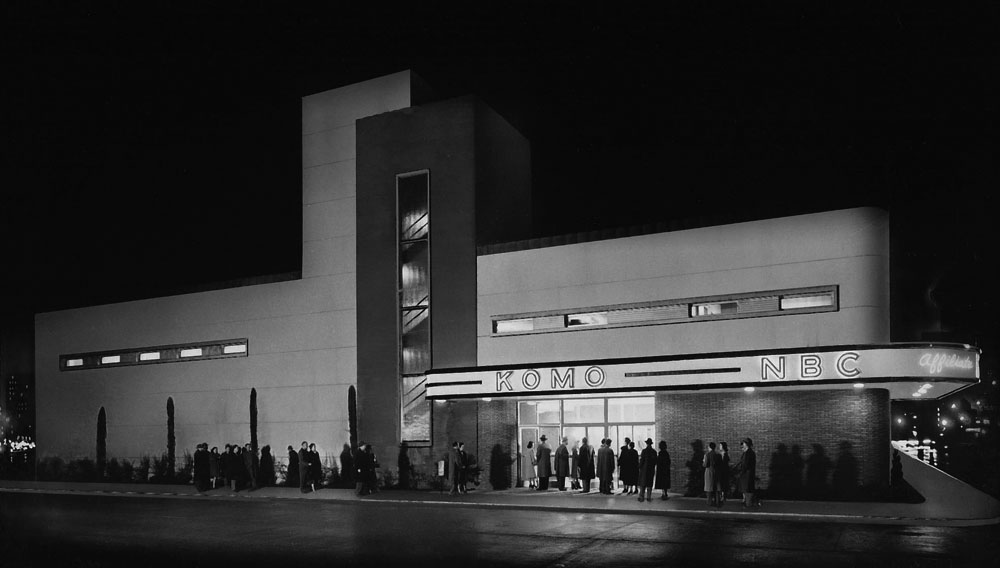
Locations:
{"points": [[809, 444], [498, 441]]}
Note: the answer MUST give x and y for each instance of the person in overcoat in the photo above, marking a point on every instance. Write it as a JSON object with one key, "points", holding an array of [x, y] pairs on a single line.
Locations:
{"points": [[304, 466], [574, 465], [201, 468], [663, 470], [544, 457], [747, 468], [722, 476], [586, 462], [347, 465], [292, 472], [233, 467], [711, 464], [605, 466], [628, 469], [315, 468], [528, 464], [647, 471], [562, 464], [265, 474], [214, 467], [362, 465], [463, 468]]}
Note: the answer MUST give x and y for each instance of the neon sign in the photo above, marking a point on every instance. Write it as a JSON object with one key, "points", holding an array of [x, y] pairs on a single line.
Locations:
{"points": [[531, 379], [935, 363], [810, 366]]}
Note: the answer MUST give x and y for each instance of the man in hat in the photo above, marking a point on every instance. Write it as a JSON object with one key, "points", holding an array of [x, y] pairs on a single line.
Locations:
{"points": [[562, 464], [544, 455], [647, 471], [605, 466]]}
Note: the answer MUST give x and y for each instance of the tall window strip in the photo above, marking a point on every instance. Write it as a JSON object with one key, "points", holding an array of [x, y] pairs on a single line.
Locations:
{"points": [[757, 304], [413, 221], [200, 351]]}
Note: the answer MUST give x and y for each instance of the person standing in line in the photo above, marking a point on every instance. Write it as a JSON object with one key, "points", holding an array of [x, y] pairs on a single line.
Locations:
{"points": [[621, 452], [544, 459], [647, 471], [315, 468], [292, 472], [453, 467], [233, 467], [663, 470], [574, 465], [201, 467], [605, 466], [747, 468], [562, 463], [265, 473], [248, 465], [347, 465], [463, 469], [711, 464], [528, 464], [723, 473], [214, 467], [628, 468], [586, 461], [304, 466]]}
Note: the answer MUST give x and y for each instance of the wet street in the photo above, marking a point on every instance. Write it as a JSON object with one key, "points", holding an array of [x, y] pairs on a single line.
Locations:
{"points": [[97, 531]]}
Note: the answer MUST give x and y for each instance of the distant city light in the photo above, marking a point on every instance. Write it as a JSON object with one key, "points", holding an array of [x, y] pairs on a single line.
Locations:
{"points": [[944, 421], [899, 421], [953, 405]]}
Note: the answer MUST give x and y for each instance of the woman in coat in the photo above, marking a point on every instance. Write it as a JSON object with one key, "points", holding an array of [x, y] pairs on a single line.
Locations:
{"points": [[586, 462], [528, 464], [292, 472], [214, 469], [315, 468], [748, 472], [711, 464], [663, 470], [647, 471], [722, 476], [628, 465]]}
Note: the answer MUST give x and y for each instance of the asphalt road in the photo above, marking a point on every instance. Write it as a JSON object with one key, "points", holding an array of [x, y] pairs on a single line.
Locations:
{"points": [[103, 531]]}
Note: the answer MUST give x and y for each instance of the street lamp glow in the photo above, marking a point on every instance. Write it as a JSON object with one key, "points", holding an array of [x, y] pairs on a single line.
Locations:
{"points": [[859, 385], [899, 421], [748, 389], [944, 421]]}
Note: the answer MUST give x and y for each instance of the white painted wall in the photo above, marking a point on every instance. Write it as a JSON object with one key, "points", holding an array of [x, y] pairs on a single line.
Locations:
{"points": [[302, 355], [849, 248]]}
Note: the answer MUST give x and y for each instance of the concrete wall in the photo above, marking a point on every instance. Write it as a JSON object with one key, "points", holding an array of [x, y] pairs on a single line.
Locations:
{"points": [[848, 248], [302, 354]]}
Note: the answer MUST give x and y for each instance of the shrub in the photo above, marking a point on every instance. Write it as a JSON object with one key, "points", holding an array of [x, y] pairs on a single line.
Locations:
{"points": [[161, 470], [51, 469], [186, 474], [142, 472], [84, 469]]}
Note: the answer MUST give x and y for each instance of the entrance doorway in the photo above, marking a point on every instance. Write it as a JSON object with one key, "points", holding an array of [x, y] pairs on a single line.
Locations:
{"points": [[594, 418]]}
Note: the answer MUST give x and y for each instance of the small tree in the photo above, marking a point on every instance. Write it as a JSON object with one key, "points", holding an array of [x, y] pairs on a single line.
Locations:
{"points": [[171, 441], [352, 416], [253, 420], [102, 443]]}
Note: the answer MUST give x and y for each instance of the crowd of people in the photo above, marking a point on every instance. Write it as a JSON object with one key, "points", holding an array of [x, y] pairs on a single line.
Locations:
{"points": [[238, 467], [639, 473]]}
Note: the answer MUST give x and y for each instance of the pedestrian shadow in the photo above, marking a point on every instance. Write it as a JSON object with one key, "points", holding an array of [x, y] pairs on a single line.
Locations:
{"points": [[696, 473]]}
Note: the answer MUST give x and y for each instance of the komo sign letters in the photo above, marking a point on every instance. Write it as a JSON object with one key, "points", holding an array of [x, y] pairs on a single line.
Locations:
{"points": [[830, 365]]}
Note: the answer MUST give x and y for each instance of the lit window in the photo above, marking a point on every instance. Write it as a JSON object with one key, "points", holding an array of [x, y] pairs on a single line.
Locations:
{"points": [[234, 349], [513, 326], [799, 302], [714, 309], [151, 356], [74, 362], [595, 318], [196, 352], [110, 359]]}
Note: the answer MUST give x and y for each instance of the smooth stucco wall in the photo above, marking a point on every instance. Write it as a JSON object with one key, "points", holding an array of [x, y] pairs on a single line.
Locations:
{"points": [[848, 248], [302, 355]]}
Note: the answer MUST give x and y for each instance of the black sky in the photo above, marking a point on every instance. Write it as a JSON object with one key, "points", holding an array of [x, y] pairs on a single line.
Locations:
{"points": [[148, 153]]}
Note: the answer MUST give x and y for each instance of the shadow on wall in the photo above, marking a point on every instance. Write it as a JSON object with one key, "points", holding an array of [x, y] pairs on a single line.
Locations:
{"points": [[696, 473]]}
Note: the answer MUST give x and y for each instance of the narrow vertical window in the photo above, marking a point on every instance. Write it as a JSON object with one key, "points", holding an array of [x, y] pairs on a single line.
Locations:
{"points": [[413, 218]]}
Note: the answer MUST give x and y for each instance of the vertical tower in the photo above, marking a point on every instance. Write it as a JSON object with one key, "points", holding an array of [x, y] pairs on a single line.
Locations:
{"points": [[433, 182]]}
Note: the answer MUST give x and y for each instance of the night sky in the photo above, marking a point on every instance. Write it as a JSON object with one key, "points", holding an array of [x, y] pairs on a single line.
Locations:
{"points": [[151, 153]]}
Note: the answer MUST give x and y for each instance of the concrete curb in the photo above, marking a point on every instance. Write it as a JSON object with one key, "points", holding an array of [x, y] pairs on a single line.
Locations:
{"points": [[689, 507]]}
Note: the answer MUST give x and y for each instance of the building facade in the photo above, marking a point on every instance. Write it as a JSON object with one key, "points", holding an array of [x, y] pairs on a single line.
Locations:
{"points": [[777, 330]]}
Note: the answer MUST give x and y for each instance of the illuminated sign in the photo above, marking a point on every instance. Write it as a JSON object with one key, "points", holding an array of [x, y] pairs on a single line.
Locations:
{"points": [[818, 365]]}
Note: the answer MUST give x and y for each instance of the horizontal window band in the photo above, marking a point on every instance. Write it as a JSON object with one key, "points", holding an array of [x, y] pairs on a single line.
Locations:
{"points": [[719, 370], [454, 384], [155, 355]]}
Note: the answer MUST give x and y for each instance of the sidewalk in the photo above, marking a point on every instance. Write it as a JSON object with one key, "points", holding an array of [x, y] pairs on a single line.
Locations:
{"points": [[927, 513]]}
